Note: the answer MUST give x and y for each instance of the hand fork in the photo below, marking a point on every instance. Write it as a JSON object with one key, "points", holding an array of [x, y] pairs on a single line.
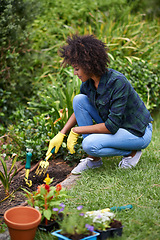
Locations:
{"points": [[44, 164]]}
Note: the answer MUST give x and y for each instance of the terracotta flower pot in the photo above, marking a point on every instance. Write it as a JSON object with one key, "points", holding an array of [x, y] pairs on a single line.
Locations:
{"points": [[22, 222]]}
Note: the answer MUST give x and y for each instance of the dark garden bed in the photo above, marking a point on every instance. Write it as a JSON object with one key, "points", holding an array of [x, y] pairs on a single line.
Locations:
{"points": [[58, 170]]}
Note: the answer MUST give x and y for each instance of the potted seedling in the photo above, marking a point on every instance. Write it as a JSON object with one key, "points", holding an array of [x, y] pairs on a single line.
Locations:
{"points": [[75, 225], [105, 223]]}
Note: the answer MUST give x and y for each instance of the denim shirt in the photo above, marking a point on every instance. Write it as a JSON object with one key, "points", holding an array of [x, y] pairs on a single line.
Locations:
{"points": [[117, 103]]}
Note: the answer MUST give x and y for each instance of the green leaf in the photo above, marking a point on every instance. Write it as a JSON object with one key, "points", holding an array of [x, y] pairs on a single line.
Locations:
{"points": [[4, 166], [26, 190], [42, 191], [13, 163], [2, 178], [55, 204], [47, 213], [13, 175], [50, 194]]}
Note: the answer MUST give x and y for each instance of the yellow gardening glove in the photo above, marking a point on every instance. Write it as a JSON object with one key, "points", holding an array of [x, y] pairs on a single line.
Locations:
{"points": [[55, 142], [71, 141]]}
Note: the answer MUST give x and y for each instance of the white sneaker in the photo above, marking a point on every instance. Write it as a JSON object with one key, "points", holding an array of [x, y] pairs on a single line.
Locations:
{"points": [[86, 164], [129, 162]]}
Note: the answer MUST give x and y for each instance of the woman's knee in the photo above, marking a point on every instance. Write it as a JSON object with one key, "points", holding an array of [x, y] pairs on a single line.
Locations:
{"points": [[78, 99], [147, 136], [88, 146]]}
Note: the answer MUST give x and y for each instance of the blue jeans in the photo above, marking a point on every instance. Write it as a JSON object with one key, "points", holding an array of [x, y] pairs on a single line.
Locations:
{"points": [[122, 143]]}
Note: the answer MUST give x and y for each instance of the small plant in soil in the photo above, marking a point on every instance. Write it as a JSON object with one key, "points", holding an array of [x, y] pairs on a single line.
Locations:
{"points": [[103, 219], [5, 176], [75, 225], [47, 199]]}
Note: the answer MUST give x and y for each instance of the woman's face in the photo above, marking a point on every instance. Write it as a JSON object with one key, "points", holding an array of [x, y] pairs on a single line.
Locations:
{"points": [[80, 73]]}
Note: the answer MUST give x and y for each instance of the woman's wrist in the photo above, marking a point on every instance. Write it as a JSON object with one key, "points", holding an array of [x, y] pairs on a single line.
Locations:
{"points": [[63, 132], [75, 130]]}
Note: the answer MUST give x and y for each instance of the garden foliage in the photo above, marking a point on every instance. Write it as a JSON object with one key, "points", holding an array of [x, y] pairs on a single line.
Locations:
{"points": [[15, 56], [31, 70]]}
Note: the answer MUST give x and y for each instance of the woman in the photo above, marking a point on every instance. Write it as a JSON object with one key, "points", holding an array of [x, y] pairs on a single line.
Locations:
{"points": [[110, 115]]}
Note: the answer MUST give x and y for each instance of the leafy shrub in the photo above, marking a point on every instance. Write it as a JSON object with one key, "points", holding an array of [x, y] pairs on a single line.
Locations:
{"points": [[145, 6], [15, 73], [56, 95], [35, 133], [72, 158], [143, 78], [32, 134], [131, 37]]}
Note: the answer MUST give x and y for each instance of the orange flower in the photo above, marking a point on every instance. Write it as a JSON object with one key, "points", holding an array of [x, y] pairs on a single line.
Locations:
{"points": [[58, 187], [57, 120], [39, 188]]}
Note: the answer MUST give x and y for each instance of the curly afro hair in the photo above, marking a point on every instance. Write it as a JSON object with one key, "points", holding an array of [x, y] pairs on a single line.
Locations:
{"points": [[87, 52]]}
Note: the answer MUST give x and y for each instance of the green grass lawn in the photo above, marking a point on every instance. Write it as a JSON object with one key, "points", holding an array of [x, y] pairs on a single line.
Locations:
{"points": [[110, 186]]}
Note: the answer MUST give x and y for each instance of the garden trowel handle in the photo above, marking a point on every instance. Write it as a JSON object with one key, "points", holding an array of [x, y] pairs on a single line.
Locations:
{"points": [[28, 160], [27, 167], [52, 151], [129, 206]]}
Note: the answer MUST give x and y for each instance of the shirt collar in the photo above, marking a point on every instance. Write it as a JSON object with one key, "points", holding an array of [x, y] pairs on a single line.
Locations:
{"points": [[102, 84], [104, 81]]}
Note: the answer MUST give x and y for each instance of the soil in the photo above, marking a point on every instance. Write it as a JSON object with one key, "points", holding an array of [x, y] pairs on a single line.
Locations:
{"points": [[76, 236], [115, 224], [58, 170]]}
